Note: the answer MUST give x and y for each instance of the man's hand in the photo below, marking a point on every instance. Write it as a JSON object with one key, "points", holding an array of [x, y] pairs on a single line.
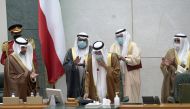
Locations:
{"points": [[123, 59], [167, 62], [33, 75], [85, 96], [102, 63], [77, 60], [183, 65]]}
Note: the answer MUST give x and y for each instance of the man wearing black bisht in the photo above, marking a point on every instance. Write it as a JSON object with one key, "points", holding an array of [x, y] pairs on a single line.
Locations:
{"points": [[74, 66]]}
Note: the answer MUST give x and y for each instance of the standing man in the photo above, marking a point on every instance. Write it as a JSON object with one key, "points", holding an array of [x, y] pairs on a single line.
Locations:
{"points": [[74, 66], [177, 59], [130, 61], [19, 72], [102, 75]]}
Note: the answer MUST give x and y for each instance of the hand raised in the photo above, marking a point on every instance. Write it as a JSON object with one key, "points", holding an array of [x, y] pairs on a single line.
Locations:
{"points": [[102, 63], [77, 60], [167, 62], [33, 75]]}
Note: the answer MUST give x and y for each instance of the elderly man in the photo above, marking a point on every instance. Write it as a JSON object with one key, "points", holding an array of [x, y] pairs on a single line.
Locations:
{"points": [[102, 75], [177, 59], [19, 72], [130, 61], [74, 66]]}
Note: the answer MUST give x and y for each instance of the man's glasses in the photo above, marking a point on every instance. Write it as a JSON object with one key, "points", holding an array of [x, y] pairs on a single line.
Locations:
{"points": [[98, 52], [119, 35], [177, 40], [80, 39]]}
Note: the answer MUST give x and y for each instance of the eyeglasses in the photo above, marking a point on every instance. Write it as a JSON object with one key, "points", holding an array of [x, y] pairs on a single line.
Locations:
{"points": [[98, 52], [177, 40], [80, 39], [119, 35]]}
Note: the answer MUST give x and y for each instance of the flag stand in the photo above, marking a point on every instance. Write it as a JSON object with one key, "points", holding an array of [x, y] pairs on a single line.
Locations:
{"points": [[53, 86]]}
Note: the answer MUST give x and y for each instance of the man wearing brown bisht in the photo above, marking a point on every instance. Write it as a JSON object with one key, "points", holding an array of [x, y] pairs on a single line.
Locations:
{"points": [[19, 72], [130, 63], [102, 75], [177, 59]]}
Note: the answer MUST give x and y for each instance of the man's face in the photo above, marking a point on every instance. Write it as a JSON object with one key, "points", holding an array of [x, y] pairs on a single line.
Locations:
{"points": [[82, 43], [23, 50], [119, 38], [177, 40], [99, 56], [177, 43]]}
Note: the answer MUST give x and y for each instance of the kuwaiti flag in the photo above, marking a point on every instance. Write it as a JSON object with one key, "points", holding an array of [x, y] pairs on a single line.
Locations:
{"points": [[52, 38]]}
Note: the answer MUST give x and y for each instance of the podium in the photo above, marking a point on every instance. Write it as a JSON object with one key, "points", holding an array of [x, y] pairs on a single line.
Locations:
{"points": [[33, 102], [23, 106]]}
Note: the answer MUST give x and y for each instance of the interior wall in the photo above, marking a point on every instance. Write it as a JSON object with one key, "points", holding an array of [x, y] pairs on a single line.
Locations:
{"points": [[3, 26], [152, 24]]}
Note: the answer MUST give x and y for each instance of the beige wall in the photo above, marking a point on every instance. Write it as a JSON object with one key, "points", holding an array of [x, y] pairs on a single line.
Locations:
{"points": [[3, 25], [152, 24]]}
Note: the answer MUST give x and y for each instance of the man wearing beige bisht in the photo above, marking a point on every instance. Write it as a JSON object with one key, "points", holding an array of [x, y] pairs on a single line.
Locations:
{"points": [[130, 63]]}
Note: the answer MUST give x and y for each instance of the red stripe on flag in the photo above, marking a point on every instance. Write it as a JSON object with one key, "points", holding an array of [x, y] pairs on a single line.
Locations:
{"points": [[52, 62]]}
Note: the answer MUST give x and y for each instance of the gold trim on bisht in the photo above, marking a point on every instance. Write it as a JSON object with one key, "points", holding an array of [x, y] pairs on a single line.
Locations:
{"points": [[31, 40], [74, 53], [109, 59]]}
